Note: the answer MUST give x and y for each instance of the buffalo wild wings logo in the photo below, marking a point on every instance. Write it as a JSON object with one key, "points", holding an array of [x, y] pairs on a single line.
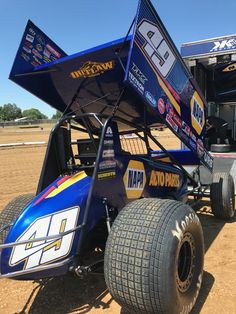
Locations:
{"points": [[229, 68], [90, 69]]}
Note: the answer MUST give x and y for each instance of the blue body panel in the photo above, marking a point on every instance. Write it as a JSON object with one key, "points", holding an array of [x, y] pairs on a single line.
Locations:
{"points": [[74, 195], [132, 177]]}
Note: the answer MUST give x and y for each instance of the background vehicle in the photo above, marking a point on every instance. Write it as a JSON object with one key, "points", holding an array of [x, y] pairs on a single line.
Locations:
{"points": [[94, 182]]}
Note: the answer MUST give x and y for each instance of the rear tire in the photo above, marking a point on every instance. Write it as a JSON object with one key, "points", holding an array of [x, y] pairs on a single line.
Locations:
{"points": [[154, 257], [220, 148], [12, 211], [222, 195]]}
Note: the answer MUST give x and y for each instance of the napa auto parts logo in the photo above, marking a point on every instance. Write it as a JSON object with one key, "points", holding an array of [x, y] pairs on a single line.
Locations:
{"points": [[90, 69], [134, 179], [225, 44]]}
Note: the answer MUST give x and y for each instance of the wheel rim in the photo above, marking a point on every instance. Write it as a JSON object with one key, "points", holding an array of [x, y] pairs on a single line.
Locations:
{"points": [[186, 262]]}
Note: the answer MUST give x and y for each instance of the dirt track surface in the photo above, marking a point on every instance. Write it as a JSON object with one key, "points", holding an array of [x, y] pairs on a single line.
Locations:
{"points": [[19, 171]]}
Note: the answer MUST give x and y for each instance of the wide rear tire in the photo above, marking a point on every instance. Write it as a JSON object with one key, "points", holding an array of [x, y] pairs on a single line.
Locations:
{"points": [[12, 211], [154, 257], [222, 195], [220, 148]]}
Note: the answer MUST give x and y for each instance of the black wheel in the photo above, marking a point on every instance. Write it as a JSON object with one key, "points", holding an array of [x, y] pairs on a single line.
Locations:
{"points": [[222, 195], [154, 257], [12, 211], [220, 148]]}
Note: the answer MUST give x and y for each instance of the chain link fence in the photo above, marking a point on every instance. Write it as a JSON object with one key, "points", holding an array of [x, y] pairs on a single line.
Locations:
{"points": [[27, 122]]}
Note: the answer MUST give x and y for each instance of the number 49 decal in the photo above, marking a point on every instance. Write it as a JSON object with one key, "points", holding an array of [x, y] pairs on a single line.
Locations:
{"points": [[156, 47], [38, 253]]}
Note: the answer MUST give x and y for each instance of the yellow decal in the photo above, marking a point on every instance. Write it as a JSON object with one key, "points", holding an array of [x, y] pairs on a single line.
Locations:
{"points": [[106, 175], [134, 179], [229, 68], [166, 179], [165, 159], [67, 184], [197, 113], [90, 69]]}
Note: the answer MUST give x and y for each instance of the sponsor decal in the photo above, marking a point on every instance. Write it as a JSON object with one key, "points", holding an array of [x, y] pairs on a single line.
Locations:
{"points": [[90, 69], [46, 53], [156, 48], [134, 179], [106, 175], [186, 129], [200, 148], [109, 132], [36, 53], [37, 60], [161, 105], [135, 82], [107, 164], [41, 40], [229, 68], [28, 44], [108, 153], [184, 137], [193, 137], [150, 98], [31, 31], [53, 51], [164, 179], [197, 113], [46, 60], [177, 120], [38, 253], [173, 115], [30, 38], [208, 159], [225, 44], [171, 122], [108, 142], [27, 58], [193, 144], [39, 47], [138, 73], [26, 49], [35, 64]]}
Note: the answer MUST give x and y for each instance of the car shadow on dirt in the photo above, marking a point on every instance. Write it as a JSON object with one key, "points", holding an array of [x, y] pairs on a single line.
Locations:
{"points": [[68, 294]]}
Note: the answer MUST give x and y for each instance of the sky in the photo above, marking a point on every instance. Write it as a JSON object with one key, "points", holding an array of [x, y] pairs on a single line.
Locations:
{"points": [[76, 25]]}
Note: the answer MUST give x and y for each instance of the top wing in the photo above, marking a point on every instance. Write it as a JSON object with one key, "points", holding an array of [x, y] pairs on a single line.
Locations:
{"points": [[88, 81], [156, 71], [156, 79]]}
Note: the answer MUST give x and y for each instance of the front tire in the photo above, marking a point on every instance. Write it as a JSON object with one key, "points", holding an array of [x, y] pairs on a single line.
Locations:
{"points": [[154, 257], [12, 211]]}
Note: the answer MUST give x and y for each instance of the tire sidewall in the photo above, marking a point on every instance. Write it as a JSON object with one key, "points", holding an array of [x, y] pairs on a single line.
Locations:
{"points": [[186, 223], [228, 196]]}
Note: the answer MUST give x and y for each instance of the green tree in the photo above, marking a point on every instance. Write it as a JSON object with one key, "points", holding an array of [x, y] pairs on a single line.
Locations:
{"points": [[10, 112], [33, 114], [57, 115]]}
